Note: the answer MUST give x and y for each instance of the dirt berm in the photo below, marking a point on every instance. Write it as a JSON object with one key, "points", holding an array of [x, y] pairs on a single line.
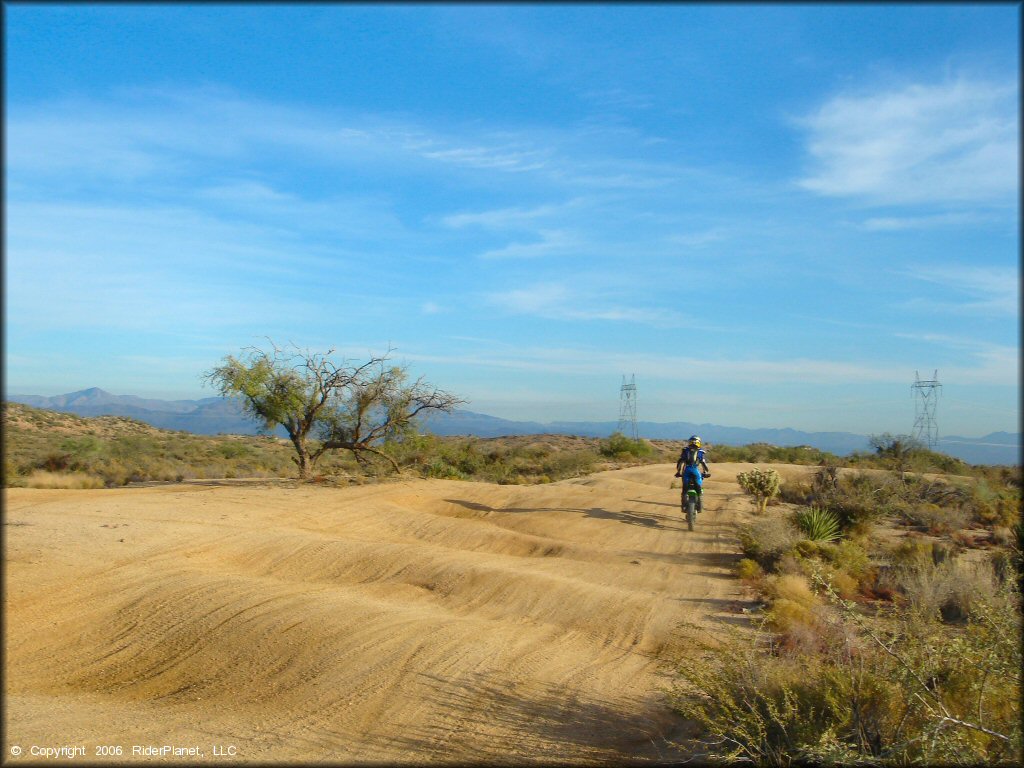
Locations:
{"points": [[414, 621]]}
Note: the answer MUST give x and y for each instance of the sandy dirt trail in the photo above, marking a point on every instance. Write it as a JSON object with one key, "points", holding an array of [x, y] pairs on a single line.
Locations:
{"points": [[412, 621]]}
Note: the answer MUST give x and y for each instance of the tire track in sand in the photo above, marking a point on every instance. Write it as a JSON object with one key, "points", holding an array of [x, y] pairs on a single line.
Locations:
{"points": [[411, 621]]}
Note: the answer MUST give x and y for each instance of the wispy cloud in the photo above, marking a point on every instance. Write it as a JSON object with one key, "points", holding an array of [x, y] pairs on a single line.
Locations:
{"points": [[75, 266], [145, 132], [700, 238], [503, 218], [491, 158], [936, 221], [987, 290], [553, 242], [988, 363], [681, 369], [555, 301], [956, 141]]}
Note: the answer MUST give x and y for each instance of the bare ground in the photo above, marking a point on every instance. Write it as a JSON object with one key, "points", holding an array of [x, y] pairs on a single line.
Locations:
{"points": [[419, 621]]}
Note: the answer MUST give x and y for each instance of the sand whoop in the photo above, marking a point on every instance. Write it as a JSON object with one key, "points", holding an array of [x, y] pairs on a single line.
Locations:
{"points": [[419, 621]]}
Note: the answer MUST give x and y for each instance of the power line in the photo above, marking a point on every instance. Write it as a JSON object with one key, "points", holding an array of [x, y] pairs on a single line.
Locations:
{"points": [[926, 395], [627, 407]]}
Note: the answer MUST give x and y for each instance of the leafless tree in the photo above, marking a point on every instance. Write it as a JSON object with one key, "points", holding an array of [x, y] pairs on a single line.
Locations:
{"points": [[325, 405]]}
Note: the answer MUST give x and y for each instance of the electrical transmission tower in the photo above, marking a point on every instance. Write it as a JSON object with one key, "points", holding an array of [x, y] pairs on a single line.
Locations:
{"points": [[926, 395], [627, 407]]}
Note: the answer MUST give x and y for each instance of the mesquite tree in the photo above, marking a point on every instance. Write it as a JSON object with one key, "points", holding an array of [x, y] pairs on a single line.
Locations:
{"points": [[325, 405]]}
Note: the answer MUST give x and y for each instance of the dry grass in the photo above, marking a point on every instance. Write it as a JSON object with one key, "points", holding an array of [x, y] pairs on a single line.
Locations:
{"points": [[64, 480]]}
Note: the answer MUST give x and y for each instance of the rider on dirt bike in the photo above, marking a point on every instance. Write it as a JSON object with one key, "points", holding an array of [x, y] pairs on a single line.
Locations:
{"points": [[692, 457]]}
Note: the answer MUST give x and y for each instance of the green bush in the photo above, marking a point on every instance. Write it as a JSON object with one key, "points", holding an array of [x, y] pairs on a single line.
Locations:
{"points": [[618, 446], [849, 556], [234, 450], [764, 453]]}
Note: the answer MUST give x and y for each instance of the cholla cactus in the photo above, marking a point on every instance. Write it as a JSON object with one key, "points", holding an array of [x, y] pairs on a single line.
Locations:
{"points": [[762, 485]]}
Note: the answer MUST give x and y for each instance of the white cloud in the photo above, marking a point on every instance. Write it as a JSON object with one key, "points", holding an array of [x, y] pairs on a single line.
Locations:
{"points": [[491, 158], [990, 363], [992, 290], [554, 301], [552, 243], [675, 368], [699, 239], [957, 141], [502, 218], [244, 192], [149, 132], [901, 223]]}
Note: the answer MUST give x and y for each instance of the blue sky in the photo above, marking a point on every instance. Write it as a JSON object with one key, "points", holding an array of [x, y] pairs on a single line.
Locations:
{"points": [[772, 215]]}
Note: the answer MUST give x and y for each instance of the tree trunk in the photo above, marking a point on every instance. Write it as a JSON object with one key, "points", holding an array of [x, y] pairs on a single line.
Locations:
{"points": [[302, 459]]}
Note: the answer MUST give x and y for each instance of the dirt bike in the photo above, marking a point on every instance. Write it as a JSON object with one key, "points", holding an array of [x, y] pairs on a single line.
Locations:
{"points": [[690, 499]]}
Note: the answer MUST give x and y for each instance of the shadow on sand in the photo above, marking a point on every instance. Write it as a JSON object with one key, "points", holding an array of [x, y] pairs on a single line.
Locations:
{"points": [[629, 518], [544, 722]]}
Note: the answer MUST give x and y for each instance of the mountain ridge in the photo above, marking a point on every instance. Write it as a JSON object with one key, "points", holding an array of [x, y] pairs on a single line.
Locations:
{"points": [[217, 415]]}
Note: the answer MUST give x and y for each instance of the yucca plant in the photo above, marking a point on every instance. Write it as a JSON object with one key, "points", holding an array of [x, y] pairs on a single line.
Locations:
{"points": [[818, 524]]}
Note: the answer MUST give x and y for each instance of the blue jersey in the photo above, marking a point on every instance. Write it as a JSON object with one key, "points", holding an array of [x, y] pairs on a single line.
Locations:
{"points": [[691, 457]]}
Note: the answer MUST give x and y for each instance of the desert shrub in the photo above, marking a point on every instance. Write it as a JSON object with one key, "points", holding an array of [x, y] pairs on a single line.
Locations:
{"points": [[933, 586], [751, 707], [466, 458], [83, 452], [994, 506], [845, 585], [1002, 537], [115, 473], [795, 589], [766, 541], [568, 464], [618, 446], [755, 453], [763, 485], [916, 553], [905, 692], [798, 492], [818, 524], [936, 519], [65, 480], [749, 570], [861, 500], [233, 450], [1004, 564], [902, 453], [850, 557], [13, 475], [438, 467], [793, 612], [56, 461]]}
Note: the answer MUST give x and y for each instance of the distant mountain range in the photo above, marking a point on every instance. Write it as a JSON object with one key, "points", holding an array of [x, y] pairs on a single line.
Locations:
{"points": [[217, 415]]}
